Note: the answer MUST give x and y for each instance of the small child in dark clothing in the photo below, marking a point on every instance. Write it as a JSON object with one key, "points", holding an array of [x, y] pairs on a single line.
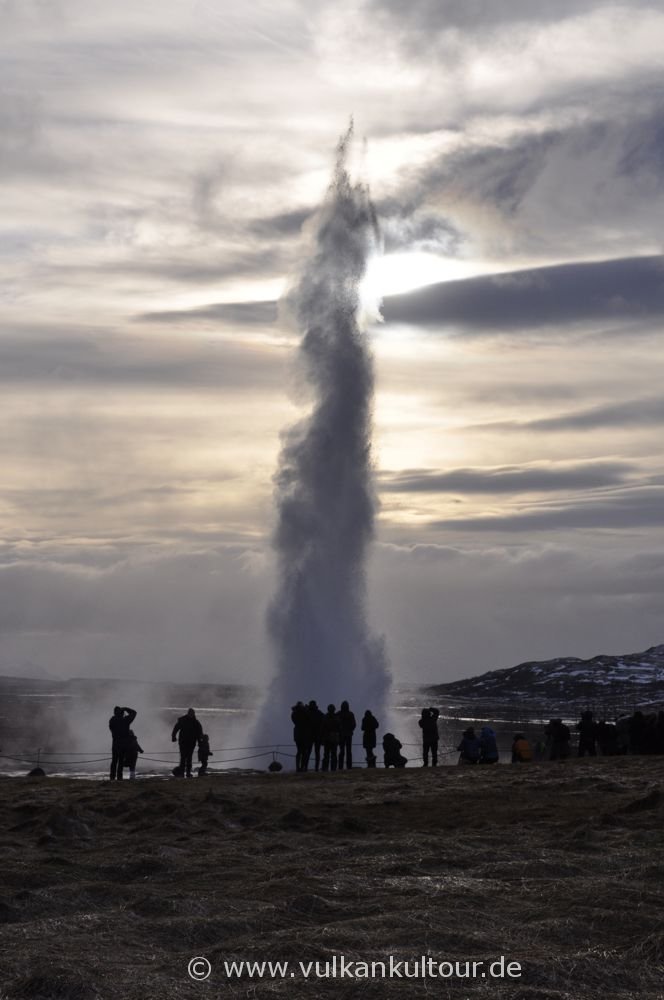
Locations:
{"points": [[204, 753], [131, 753]]}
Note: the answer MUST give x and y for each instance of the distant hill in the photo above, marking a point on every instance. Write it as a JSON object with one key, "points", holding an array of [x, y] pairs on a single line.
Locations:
{"points": [[628, 680], [26, 669]]}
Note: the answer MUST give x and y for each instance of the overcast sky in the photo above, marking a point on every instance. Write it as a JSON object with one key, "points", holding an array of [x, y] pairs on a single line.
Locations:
{"points": [[161, 162]]}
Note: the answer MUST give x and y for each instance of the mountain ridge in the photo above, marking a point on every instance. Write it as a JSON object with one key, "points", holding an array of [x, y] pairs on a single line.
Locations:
{"points": [[629, 679]]}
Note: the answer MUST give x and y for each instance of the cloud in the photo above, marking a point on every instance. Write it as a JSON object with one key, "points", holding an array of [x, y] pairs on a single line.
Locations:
{"points": [[239, 313], [643, 508], [509, 479], [613, 291], [479, 17], [104, 358], [158, 616], [452, 612], [633, 413]]}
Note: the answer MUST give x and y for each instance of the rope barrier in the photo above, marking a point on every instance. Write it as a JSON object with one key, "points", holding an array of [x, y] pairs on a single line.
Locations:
{"points": [[82, 758]]}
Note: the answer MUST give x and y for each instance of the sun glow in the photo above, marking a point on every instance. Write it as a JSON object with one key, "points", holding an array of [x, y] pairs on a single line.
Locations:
{"points": [[395, 273]]}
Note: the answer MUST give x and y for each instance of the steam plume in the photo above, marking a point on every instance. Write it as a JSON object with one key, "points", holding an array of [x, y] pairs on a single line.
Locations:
{"points": [[324, 491]]}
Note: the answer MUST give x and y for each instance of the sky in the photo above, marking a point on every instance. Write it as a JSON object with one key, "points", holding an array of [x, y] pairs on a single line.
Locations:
{"points": [[162, 162]]}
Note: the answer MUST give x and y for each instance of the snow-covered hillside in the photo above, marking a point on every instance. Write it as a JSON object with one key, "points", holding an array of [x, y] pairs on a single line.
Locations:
{"points": [[630, 680]]}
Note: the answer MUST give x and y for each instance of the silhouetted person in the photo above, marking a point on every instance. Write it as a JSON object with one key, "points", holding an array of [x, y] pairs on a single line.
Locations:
{"points": [[428, 723], [331, 736], [301, 719], [204, 753], [659, 733], [622, 734], [131, 753], [469, 748], [392, 756], [522, 752], [637, 733], [316, 717], [488, 746], [558, 737], [607, 738], [587, 735], [347, 726], [369, 726], [188, 731], [119, 724]]}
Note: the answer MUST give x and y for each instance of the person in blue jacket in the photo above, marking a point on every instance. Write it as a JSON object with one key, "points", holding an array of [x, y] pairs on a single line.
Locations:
{"points": [[488, 746], [469, 748]]}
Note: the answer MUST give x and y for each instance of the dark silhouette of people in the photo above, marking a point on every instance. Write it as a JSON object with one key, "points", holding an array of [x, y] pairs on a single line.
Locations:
{"points": [[188, 731], [302, 735], [522, 752], [428, 723], [133, 748], [558, 737], [331, 736], [347, 726], [119, 724], [469, 748], [587, 735], [659, 733], [392, 756], [637, 733], [369, 726], [316, 723], [204, 753], [607, 738], [488, 746]]}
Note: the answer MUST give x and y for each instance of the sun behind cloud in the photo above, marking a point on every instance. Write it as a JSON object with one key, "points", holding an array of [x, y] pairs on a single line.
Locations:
{"points": [[394, 273]]}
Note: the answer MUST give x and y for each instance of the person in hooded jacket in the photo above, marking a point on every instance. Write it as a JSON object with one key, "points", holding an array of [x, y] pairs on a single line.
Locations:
{"points": [[488, 746], [347, 726], [469, 748], [369, 726], [392, 756]]}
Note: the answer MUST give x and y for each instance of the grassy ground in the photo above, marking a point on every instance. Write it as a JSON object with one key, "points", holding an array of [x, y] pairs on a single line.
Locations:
{"points": [[110, 889]]}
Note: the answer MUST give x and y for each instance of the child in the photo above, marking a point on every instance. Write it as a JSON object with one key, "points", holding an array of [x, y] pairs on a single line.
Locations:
{"points": [[204, 753], [522, 752], [131, 753]]}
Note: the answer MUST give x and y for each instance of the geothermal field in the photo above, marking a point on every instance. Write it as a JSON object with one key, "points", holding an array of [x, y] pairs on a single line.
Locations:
{"points": [[109, 890]]}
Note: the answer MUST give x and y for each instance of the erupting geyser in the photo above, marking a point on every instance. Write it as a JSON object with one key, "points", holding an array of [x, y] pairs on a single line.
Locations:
{"points": [[324, 489]]}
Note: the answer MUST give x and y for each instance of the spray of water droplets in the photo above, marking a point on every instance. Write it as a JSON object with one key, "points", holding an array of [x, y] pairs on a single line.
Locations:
{"points": [[325, 499]]}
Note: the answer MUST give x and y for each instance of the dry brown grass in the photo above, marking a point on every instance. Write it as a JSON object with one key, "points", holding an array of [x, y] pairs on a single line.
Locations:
{"points": [[109, 889]]}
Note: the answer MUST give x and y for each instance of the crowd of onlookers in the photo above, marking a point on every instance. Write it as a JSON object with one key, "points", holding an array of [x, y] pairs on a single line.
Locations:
{"points": [[325, 739]]}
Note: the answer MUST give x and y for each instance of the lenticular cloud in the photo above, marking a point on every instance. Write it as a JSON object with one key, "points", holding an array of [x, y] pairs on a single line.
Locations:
{"points": [[324, 491]]}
